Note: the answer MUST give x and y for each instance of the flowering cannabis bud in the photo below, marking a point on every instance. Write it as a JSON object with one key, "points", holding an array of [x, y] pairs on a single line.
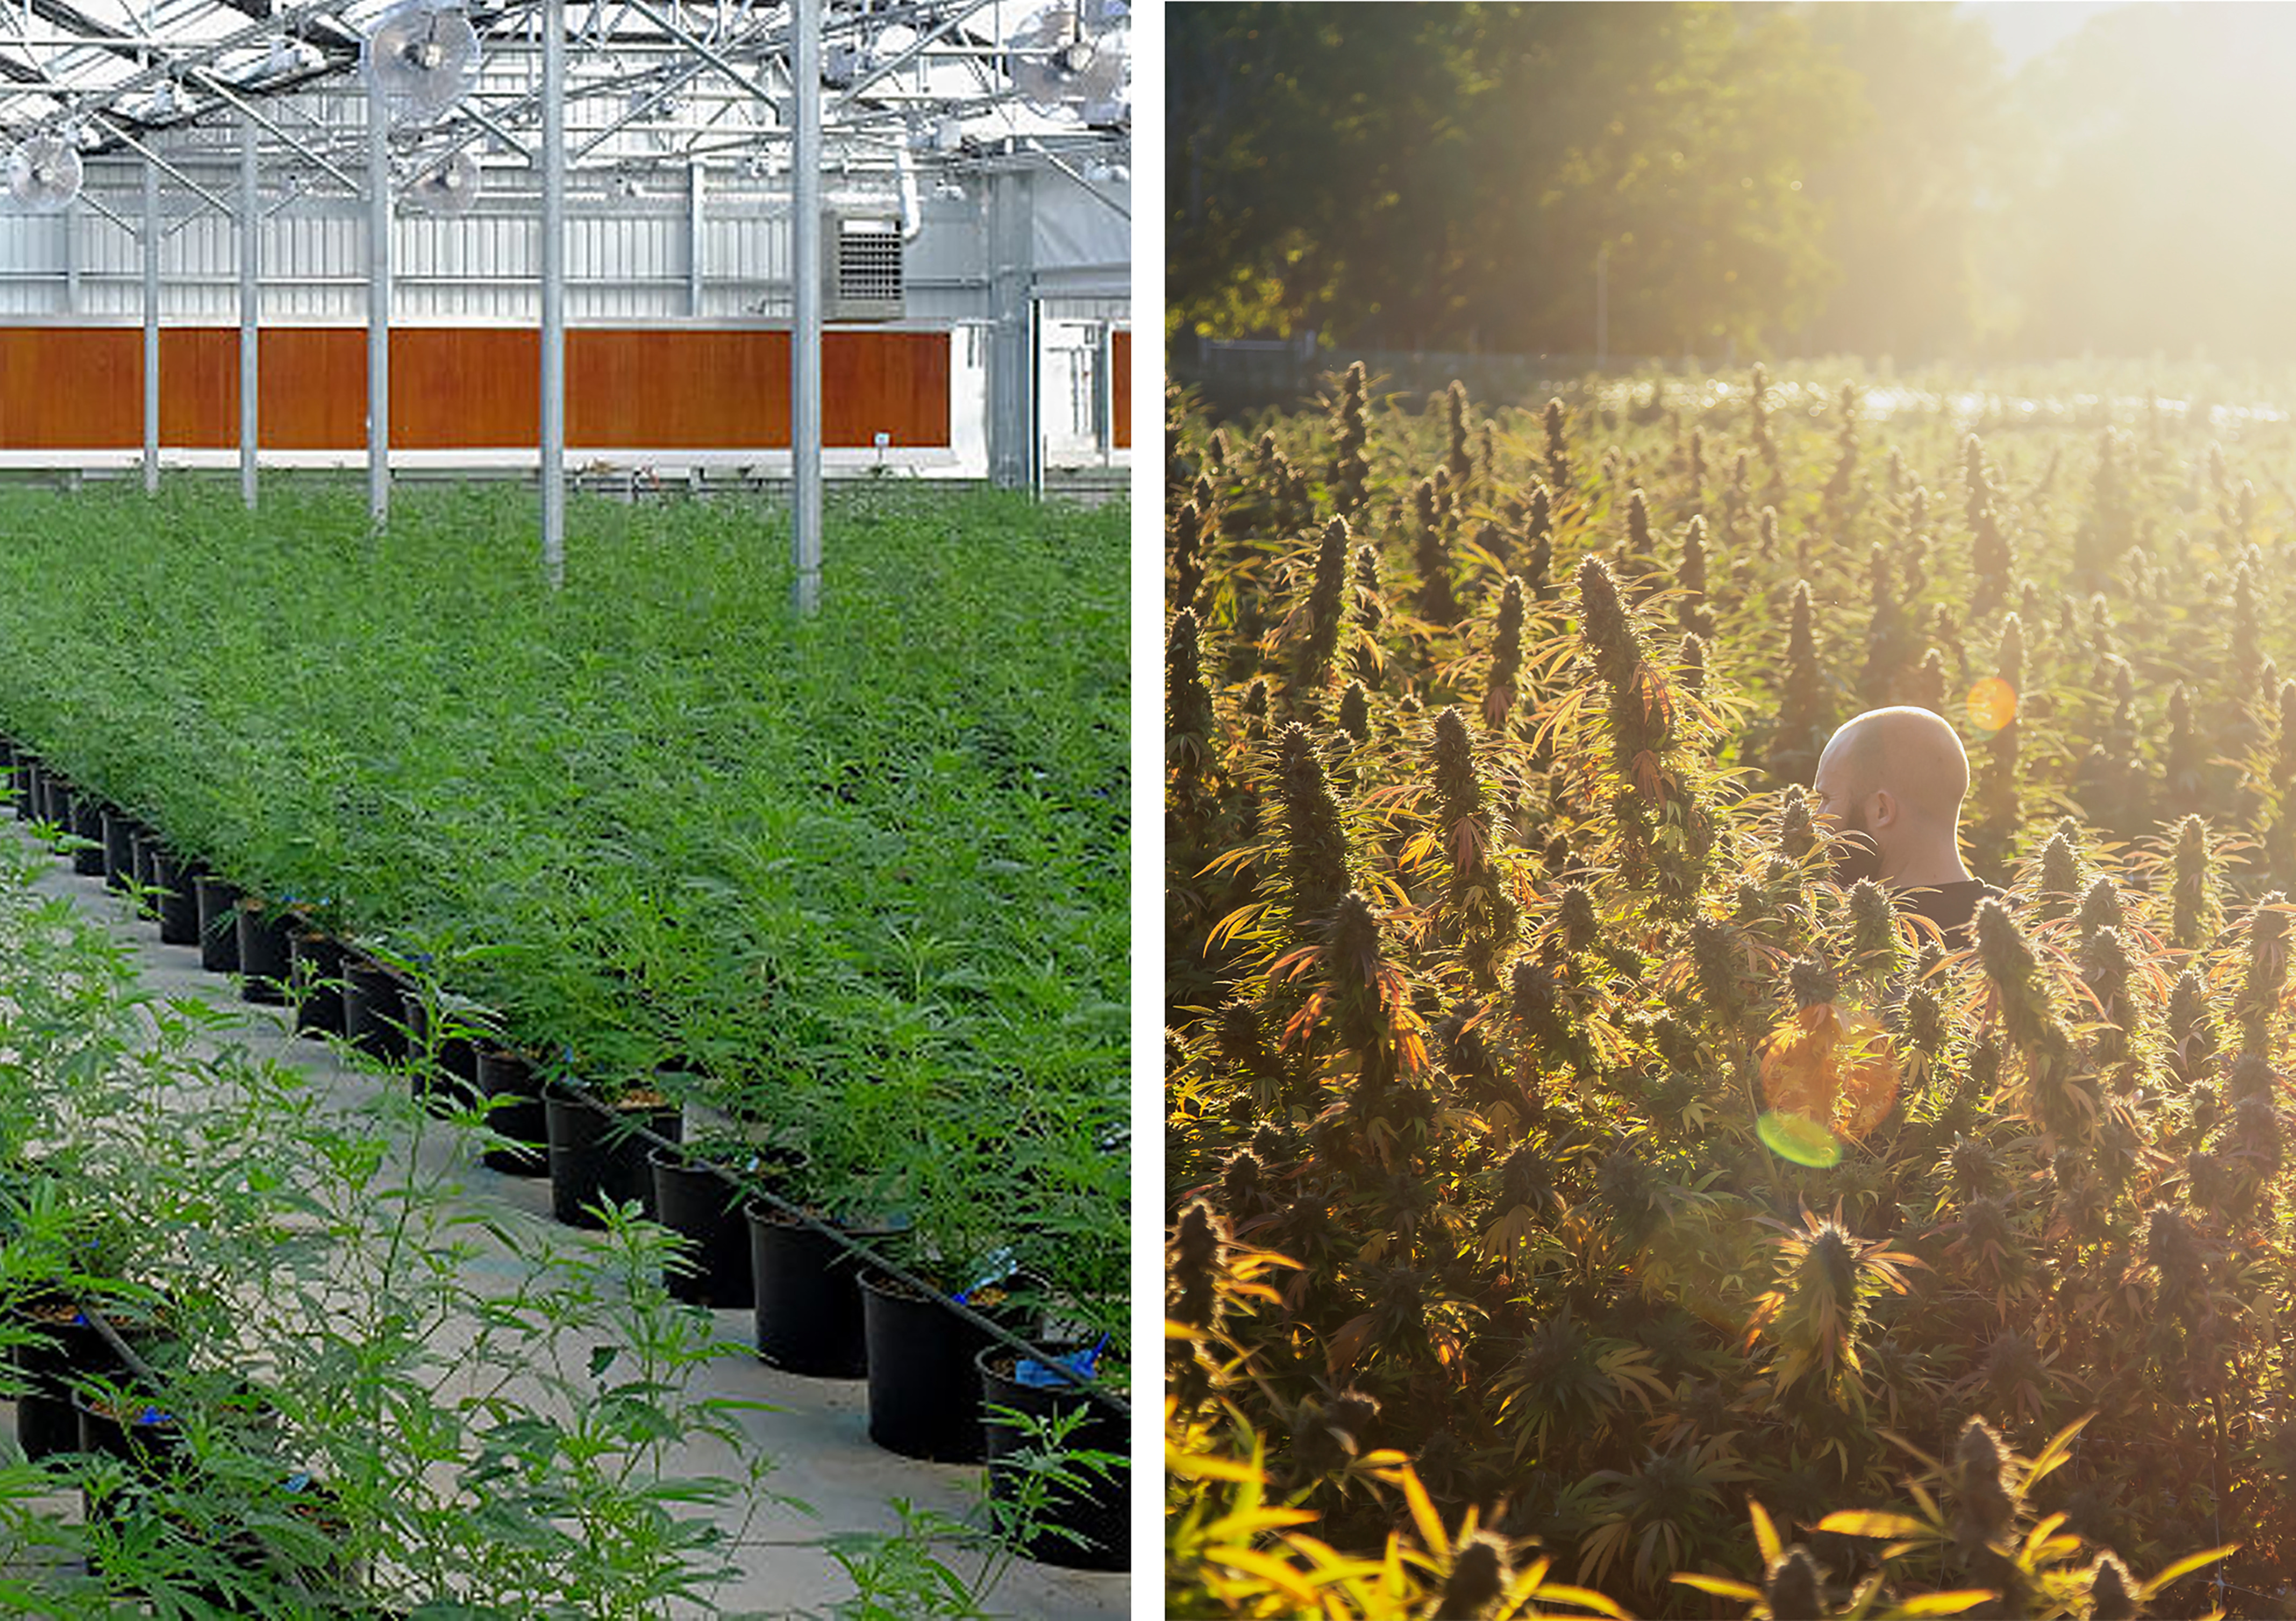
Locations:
{"points": [[2192, 1027], [1985, 1504], [1355, 712], [1242, 1042], [2107, 973], [2112, 1590], [1559, 471], [1433, 556], [1370, 606], [2060, 875], [1460, 463], [1797, 830], [2251, 1077], [1873, 930], [2267, 971], [1506, 656], [1692, 577], [1640, 562], [1244, 1192], [1188, 721], [1811, 982], [1350, 468], [1480, 1569], [1692, 663], [2100, 906], [1316, 845], [1580, 928], [1187, 555], [1804, 717], [1197, 1242], [1325, 602], [2194, 915]]}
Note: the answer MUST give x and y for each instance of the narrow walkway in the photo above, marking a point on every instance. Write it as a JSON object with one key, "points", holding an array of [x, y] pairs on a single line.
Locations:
{"points": [[817, 1431]]}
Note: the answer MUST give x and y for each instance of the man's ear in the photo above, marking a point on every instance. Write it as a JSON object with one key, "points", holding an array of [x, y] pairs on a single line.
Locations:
{"points": [[1884, 813]]}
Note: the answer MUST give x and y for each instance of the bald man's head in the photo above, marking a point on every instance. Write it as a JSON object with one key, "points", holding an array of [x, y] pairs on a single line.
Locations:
{"points": [[1898, 776]]}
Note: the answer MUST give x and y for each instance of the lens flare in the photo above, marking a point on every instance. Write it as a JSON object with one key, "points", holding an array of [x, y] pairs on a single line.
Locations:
{"points": [[1992, 705], [1799, 1139]]}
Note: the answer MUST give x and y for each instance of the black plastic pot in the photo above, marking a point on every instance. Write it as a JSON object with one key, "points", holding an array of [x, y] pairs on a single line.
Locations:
{"points": [[807, 1302], [55, 798], [216, 902], [119, 831], [374, 1013], [262, 953], [449, 1085], [25, 779], [315, 970], [1099, 1510], [698, 1202], [179, 904], [88, 823], [504, 1074], [595, 1156], [924, 1374], [45, 1423], [142, 846]]}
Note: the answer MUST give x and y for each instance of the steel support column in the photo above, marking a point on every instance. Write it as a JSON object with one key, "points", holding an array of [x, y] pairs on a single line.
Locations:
{"points": [[552, 472], [805, 333], [151, 327], [1012, 360], [378, 301], [250, 235]]}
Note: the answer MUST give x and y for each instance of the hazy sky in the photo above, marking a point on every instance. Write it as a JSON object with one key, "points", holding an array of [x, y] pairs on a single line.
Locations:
{"points": [[2027, 28]]}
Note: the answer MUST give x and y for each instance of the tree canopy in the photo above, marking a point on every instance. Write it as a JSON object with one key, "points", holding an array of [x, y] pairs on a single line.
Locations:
{"points": [[1860, 178]]}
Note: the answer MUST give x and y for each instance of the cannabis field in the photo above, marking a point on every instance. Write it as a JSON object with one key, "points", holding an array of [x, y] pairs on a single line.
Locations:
{"points": [[1581, 1203]]}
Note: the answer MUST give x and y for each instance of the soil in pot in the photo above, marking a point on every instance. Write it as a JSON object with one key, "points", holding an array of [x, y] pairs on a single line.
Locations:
{"points": [[88, 823], [806, 1294], [1093, 1509], [505, 1074], [217, 902], [262, 953], [179, 906], [315, 969], [595, 1154], [119, 830], [924, 1374], [374, 1012]]}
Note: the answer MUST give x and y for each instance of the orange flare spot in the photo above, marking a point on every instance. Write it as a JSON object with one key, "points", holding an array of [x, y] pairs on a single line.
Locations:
{"points": [[1992, 705]]}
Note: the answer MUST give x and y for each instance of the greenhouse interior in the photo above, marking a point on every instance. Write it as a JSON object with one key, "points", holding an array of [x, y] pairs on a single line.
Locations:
{"points": [[563, 935]]}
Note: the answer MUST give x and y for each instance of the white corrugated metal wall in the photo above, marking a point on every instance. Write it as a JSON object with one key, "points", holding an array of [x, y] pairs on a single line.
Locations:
{"points": [[629, 257]]}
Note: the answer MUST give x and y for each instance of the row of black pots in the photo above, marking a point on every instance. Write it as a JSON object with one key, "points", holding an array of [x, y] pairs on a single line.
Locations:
{"points": [[816, 1313]]}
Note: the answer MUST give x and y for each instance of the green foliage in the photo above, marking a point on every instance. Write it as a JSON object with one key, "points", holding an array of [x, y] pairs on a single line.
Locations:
{"points": [[864, 874]]}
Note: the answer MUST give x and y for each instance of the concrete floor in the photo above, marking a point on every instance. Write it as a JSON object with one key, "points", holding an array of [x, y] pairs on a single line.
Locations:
{"points": [[816, 1432]]}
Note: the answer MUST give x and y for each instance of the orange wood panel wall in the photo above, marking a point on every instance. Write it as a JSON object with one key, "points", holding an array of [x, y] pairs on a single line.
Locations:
{"points": [[71, 387], [468, 388], [1120, 367]]}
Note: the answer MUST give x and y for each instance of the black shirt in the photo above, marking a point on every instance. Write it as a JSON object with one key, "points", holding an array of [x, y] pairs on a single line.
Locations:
{"points": [[1949, 906]]}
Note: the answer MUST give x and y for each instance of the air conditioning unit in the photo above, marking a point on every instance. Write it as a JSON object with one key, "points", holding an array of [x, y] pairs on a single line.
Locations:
{"points": [[862, 277]]}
